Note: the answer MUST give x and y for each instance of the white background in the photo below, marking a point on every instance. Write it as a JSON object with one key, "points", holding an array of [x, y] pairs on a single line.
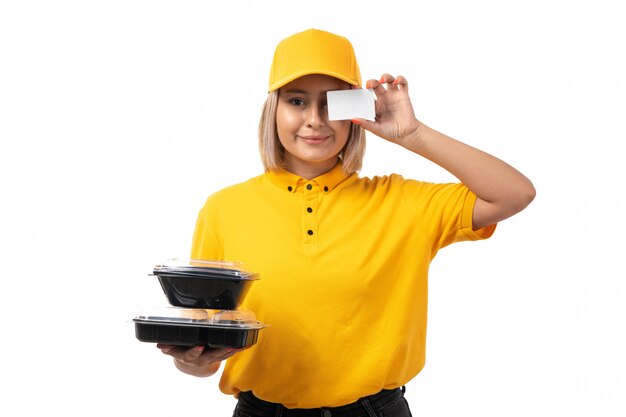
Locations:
{"points": [[119, 118]]}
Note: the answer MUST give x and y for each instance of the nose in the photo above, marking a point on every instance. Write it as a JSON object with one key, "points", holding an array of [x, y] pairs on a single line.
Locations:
{"points": [[316, 115]]}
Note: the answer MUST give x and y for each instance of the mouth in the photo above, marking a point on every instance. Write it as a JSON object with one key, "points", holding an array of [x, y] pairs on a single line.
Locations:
{"points": [[314, 139]]}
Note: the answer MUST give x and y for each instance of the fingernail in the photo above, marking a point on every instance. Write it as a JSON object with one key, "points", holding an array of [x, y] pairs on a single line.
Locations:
{"points": [[356, 122], [199, 348]]}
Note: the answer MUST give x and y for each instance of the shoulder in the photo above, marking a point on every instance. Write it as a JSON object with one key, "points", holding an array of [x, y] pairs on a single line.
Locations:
{"points": [[377, 181], [411, 190], [389, 182], [232, 194]]}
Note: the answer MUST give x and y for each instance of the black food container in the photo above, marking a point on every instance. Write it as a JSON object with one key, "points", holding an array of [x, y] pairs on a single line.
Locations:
{"points": [[204, 284], [193, 327]]}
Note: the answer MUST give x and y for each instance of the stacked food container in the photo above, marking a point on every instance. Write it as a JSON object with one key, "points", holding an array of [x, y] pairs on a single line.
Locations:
{"points": [[204, 298]]}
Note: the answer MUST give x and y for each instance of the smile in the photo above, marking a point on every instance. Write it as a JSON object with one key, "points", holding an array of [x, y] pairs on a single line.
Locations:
{"points": [[314, 140]]}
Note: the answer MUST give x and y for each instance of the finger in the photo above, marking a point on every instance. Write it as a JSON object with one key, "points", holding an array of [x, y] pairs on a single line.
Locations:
{"points": [[221, 354], [166, 349], [192, 354], [185, 354], [400, 80], [367, 125], [401, 83], [387, 79], [376, 86], [232, 353]]}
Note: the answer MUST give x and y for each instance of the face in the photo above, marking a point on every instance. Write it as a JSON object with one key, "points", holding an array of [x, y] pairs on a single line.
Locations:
{"points": [[312, 143]]}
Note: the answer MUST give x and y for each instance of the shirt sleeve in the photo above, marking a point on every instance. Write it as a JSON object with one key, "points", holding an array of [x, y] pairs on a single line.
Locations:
{"points": [[468, 232], [444, 212], [207, 243]]}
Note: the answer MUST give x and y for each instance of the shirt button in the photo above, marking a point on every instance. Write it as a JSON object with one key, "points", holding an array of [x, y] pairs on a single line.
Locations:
{"points": [[309, 187], [309, 232], [309, 209], [290, 188], [327, 413], [326, 189]]}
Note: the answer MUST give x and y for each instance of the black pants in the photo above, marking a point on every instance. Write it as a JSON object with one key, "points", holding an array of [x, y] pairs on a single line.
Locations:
{"points": [[387, 403]]}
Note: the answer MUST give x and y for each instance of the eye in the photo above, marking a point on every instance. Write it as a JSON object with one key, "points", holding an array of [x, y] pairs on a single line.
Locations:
{"points": [[297, 101]]}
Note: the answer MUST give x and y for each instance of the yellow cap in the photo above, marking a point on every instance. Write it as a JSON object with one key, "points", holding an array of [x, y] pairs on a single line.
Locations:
{"points": [[314, 52]]}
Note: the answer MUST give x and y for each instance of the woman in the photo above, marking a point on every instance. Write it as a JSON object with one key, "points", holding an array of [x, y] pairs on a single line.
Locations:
{"points": [[343, 259]]}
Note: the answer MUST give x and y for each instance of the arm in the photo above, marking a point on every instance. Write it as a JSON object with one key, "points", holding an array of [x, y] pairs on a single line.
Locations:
{"points": [[502, 191], [206, 244]]}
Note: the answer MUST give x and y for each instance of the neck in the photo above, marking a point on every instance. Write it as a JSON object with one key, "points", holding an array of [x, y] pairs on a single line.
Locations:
{"points": [[309, 170]]}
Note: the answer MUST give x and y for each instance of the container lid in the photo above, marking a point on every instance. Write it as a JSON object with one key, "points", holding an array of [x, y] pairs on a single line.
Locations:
{"points": [[204, 269], [239, 319]]}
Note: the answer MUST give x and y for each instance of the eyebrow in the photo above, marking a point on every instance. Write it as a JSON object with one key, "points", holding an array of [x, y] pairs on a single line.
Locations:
{"points": [[296, 91], [305, 93]]}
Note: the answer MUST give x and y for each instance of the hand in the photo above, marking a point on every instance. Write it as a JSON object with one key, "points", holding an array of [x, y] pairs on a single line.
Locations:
{"points": [[395, 118], [198, 360]]}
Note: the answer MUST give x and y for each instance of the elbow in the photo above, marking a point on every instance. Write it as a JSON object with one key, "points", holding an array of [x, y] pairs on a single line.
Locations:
{"points": [[531, 193], [525, 196]]}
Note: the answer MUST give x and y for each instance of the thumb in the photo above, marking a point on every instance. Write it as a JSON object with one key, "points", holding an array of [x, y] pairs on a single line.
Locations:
{"points": [[194, 353], [366, 124]]}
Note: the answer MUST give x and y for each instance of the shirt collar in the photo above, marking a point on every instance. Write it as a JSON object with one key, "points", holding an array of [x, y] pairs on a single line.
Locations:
{"points": [[292, 182]]}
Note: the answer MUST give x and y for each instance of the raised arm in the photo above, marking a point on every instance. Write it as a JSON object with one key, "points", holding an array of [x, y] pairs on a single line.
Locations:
{"points": [[502, 190]]}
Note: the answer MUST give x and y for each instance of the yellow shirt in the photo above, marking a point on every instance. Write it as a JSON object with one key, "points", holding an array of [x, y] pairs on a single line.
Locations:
{"points": [[343, 263]]}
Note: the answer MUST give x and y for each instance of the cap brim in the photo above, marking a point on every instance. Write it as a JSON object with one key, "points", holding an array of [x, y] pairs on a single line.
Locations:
{"points": [[286, 80]]}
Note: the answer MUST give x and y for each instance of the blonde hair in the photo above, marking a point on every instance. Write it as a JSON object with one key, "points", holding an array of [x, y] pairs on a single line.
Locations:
{"points": [[273, 152]]}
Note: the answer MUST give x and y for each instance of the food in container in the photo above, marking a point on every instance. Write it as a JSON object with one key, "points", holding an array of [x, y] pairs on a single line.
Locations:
{"points": [[204, 284], [193, 327]]}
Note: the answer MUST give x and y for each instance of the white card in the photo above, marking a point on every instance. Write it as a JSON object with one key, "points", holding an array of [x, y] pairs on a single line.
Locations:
{"points": [[351, 104]]}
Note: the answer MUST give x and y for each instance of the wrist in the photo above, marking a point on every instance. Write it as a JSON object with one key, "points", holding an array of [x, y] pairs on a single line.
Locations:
{"points": [[414, 140]]}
